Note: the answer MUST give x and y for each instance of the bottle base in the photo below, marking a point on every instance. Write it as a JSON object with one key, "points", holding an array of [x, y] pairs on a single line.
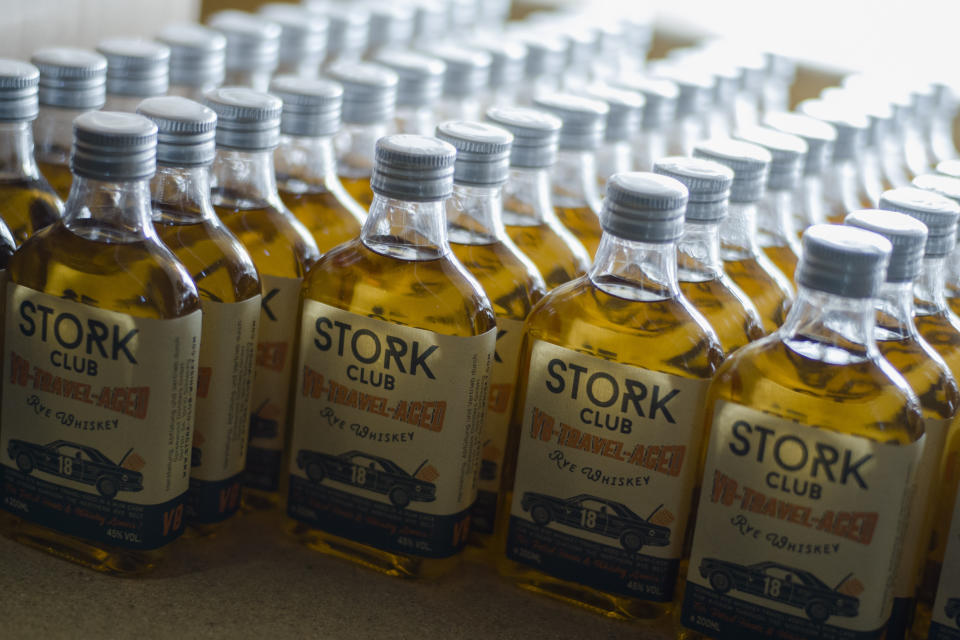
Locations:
{"points": [[107, 559], [258, 500], [392, 564], [600, 602]]}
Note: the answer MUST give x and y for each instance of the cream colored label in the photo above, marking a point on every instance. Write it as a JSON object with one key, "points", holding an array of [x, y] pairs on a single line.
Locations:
{"points": [[98, 401], [225, 378], [275, 344], [946, 609], [386, 431], [605, 472], [798, 528], [503, 382], [916, 537]]}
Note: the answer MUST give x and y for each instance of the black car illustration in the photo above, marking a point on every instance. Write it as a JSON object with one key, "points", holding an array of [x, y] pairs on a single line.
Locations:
{"points": [[77, 462], [790, 586], [953, 609], [261, 427], [369, 472], [597, 515]]}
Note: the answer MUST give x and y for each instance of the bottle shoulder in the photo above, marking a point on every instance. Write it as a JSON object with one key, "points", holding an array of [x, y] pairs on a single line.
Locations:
{"points": [[838, 390], [511, 283], [278, 243], [140, 278], [216, 260], [665, 335], [436, 295], [926, 373]]}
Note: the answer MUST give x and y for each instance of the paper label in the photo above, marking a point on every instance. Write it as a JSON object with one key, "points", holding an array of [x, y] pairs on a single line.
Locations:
{"points": [[225, 377], [945, 617], [503, 380], [98, 411], [605, 472], [798, 532], [269, 410], [386, 431]]}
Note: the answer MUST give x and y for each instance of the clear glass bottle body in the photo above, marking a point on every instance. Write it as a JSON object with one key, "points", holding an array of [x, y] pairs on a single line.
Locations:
{"points": [[841, 191], [27, 201], [714, 294], [53, 135], [415, 120], [750, 268], [612, 157], [532, 225], [309, 187], [775, 230], [105, 253], [355, 145], [575, 197], [822, 369], [648, 146], [511, 282], [629, 310], [244, 196], [400, 270]]}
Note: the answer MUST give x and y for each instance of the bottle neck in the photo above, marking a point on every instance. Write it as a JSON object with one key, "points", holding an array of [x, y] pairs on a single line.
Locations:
{"points": [[53, 134], [244, 179], [16, 151], [575, 180], [406, 230], [474, 215], [649, 146], [355, 146], [638, 271], [894, 305], [928, 289], [181, 195], [738, 234], [527, 200], [830, 328], [416, 120], [698, 252], [110, 212], [612, 157], [775, 217], [810, 200], [310, 160], [840, 184]]}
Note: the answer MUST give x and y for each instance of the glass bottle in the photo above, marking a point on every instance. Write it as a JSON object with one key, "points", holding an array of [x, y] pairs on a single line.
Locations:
{"points": [[776, 233], [700, 272], [743, 259], [348, 31], [465, 81], [695, 91], [544, 67], [369, 103], [659, 110], [949, 168], [229, 290], [511, 282], [27, 201], [936, 322], [528, 213], [305, 163], [581, 48], [948, 187], [303, 38], [841, 188], [623, 122], [197, 55], [781, 74], [429, 23], [391, 27], [940, 131], [419, 85], [808, 200], [72, 81], [613, 373], [573, 179], [393, 317], [508, 59], [98, 292], [814, 440], [136, 69], [929, 377], [253, 48], [244, 196]]}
